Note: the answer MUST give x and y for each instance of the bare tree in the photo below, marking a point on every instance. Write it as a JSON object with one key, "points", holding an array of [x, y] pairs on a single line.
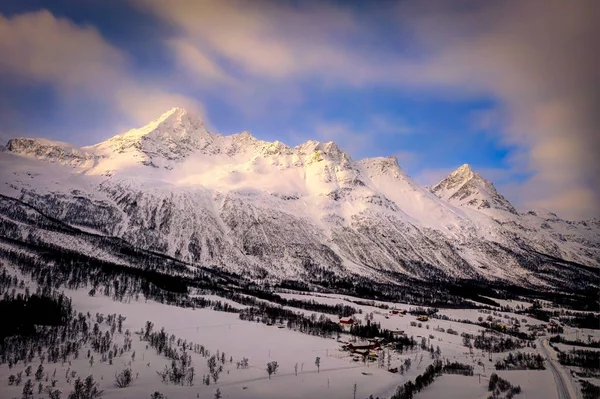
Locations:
{"points": [[190, 376], [163, 375], [318, 364], [272, 368], [296, 369], [354, 390], [216, 373], [19, 378]]}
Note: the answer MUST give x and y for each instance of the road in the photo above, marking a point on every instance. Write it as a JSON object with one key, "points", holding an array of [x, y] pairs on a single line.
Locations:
{"points": [[564, 388]]}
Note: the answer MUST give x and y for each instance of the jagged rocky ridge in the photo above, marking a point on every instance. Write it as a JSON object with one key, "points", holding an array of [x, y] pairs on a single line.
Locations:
{"points": [[266, 209]]}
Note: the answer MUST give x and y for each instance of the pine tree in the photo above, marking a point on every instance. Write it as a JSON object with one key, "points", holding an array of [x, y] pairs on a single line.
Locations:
{"points": [[39, 374], [27, 390]]}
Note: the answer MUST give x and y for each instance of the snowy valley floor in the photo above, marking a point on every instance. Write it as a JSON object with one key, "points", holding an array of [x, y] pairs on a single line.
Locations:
{"points": [[260, 343]]}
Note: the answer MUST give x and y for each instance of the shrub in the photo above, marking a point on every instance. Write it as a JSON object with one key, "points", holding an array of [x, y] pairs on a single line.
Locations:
{"points": [[123, 379]]}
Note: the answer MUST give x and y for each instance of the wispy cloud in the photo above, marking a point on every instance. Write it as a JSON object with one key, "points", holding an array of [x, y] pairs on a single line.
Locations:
{"points": [[77, 61], [363, 140]]}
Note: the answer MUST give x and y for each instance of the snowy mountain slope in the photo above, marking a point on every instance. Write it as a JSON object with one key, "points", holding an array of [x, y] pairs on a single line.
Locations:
{"points": [[267, 209], [464, 187], [23, 226], [541, 231], [52, 151]]}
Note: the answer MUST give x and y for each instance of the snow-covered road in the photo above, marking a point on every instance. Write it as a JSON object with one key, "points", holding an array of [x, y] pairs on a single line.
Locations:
{"points": [[564, 388]]}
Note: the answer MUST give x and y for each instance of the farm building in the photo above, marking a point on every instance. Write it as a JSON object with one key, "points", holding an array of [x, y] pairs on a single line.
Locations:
{"points": [[346, 322]]}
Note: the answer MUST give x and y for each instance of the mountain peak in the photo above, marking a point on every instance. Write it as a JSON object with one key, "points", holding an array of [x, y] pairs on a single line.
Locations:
{"points": [[173, 111], [171, 137], [465, 187], [464, 170], [178, 117]]}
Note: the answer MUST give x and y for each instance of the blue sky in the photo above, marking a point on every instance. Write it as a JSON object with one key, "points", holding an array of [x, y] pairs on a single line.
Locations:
{"points": [[435, 83]]}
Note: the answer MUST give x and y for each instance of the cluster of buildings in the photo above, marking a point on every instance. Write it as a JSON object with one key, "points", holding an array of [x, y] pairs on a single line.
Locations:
{"points": [[365, 350]]}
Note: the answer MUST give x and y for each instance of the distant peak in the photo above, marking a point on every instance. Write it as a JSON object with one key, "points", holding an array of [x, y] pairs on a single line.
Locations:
{"points": [[383, 165], [388, 161], [177, 120], [175, 111], [178, 115], [331, 147], [314, 145], [246, 135], [464, 170], [468, 188]]}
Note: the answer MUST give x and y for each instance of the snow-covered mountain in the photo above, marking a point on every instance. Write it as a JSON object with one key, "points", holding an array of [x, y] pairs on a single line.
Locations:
{"points": [[465, 187], [267, 209]]}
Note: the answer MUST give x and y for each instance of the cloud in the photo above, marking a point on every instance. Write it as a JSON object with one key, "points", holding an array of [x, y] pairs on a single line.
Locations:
{"points": [[44, 49], [262, 38], [537, 58], [388, 125], [77, 61], [259, 56], [364, 140], [196, 63]]}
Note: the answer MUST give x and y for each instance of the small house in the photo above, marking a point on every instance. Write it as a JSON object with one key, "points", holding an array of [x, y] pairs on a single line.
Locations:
{"points": [[346, 322]]}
